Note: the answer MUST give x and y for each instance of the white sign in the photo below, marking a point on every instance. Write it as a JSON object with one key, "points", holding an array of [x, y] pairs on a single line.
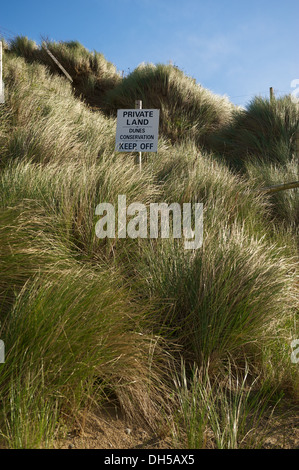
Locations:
{"points": [[137, 130]]}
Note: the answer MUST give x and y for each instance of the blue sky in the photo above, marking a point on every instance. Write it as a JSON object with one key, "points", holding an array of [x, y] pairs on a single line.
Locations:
{"points": [[233, 47]]}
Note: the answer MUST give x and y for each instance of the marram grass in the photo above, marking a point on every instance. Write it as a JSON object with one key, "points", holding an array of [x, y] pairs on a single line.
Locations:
{"points": [[86, 320]]}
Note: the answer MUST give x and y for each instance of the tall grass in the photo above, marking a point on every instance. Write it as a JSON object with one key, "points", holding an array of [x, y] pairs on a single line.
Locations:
{"points": [[59, 202], [265, 130], [70, 338], [226, 411], [284, 204], [187, 174], [86, 320], [28, 248], [241, 285], [186, 108], [230, 296], [46, 122], [92, 74]]}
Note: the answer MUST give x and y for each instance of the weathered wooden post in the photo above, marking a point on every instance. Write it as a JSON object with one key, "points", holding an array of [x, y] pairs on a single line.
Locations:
{"points": [[271, 94], [138, 105], [57, 63]]}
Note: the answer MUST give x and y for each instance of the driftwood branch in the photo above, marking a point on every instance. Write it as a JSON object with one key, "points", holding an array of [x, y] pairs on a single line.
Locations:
{"points": [[280, 187], [57, 63]]}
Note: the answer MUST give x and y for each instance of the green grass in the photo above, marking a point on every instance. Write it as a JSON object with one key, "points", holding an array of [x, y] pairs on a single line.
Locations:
{"points": [[72, 335], [87, 321], [265, 130], [223, 412], [91, 73], [187, 110], [224, 298], [284, 204], [46, 123]]}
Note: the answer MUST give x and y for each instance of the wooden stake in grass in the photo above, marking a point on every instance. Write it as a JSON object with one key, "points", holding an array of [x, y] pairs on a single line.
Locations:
{"points": [[58, 63], [271, 94], [138, 105]]}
